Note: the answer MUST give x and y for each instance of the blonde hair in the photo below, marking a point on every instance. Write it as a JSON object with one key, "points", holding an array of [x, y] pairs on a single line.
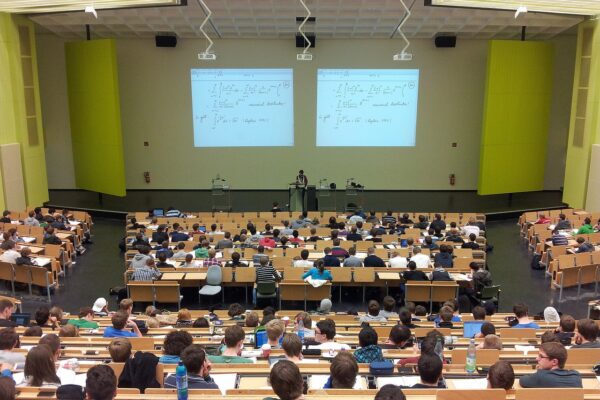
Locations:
{"points": [[184, 315], [492, 342], [275, 329]]}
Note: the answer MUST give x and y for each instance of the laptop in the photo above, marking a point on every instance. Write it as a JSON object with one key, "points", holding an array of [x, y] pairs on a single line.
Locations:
{"points": [[21, 319], [471, 328], [158, 212]]}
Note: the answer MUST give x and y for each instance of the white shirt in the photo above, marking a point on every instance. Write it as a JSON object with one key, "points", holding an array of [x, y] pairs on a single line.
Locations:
{"points": [[10, 256], [422, 260], [331, 346], [398, 262], [303, 263], [468, 229]]}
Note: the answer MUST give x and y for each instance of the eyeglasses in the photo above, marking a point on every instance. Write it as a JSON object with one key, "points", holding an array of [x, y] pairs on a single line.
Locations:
{"points": [[542, 356]]}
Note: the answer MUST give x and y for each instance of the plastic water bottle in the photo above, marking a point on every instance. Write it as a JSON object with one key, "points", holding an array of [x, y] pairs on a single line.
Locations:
{"points": [[301, 329], [182, 382], [471, 364]]}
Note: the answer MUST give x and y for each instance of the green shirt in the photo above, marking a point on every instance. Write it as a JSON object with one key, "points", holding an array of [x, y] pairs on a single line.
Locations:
{"points": [[585, 229], [83, 323], [229, 360], [201, 252]]}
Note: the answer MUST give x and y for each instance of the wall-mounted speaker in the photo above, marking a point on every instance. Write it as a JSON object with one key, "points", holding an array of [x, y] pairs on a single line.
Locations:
{"points": [[445, 41], [300, 42], [166, 40]]}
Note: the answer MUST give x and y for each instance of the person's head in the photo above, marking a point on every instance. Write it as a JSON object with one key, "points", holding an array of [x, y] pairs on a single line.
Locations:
{"points": [[320, 265], [101, 383], [286, 380], [567, 323], [487, 328], [474, 266], [367, 337], [260, 249], [405, 316], [430, 369], [6, 308], [68, 330], [162, 256], [325, 330], [53, 342], [189, 258], [478, 313], [521, 310], [292, 345], [126, 305], [352, 251], [432, 342], [492, 342], [119, 320], [295, 233], [587, 330], [7, 388], [252, 320], [275, 329], [501, 376], [39, 366], [580, 240], [389, 303], [472, 237], [264, 261], [551, 355], [86, 313], [549, 336], [235, 309], [184, 315], [42, 315], [373, 308], [416, 250], [446, 314], [212, 253], [327, 250], [9, 339], [200, 322], [420, 311], [343, 369], [195, 360], [587, 221], [234, 337], [176, 341], [390, 392], [33, 331], [57, 313], [120, 349], [411, 264], [399, 335]]}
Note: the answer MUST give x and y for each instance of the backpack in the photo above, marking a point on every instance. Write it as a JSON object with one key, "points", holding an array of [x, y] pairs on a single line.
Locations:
{"points": [[535, 262]]}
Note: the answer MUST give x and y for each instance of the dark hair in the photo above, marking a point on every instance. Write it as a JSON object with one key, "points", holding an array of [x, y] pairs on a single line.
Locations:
{"points": [[478, 313], [367, 337], [520, 310], [588, 329], [251, 320], [8, 339], [405, 316], [4, 304], [291, 344], [555, 351], [193, 358], [549, 336], [327, 328], [399, 334], [235, 309], [411, 264], [567, 323], [390, 392], [101, 382], [430, 368], [200, 322], [374, 308], [120, 349], [306, 319], [119, 319], [431, 340], [233, 335], [320, 265], [501, 375], [446, 314], [389, 303], [33, 331], [487, 328], [343, 369], [176, 341], [7, 388], [286, 381], [420, 311], [51, 340], [39, 366], [85, 311]]}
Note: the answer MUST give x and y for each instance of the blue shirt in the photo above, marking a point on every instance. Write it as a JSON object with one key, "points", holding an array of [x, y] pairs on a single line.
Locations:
{"points": [[528, 325], [167, 359], [112, 332], [315, 274]]}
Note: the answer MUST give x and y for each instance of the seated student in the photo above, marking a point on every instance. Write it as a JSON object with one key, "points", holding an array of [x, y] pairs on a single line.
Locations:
{"points": [[586, 228], [162, 260], [306, 320], [430, 368], [275, 330], [406, 319], [318, 272], [420, 259], [325, 336], [549, 336], [563, 223], [472, 243], [33, 331], [119, 323], [550, 371], [566, 329], [9, 341], [189, 262], [201, 322], [31, 220], [198, 369], [10, 254], [180, 253], [389, 304], [164, 248], [446, 314], [372, 260], [313, 236], [413, 274], [397, 261], [147, 273], [292, 348], [173, 345], [501, 376], [303, 262], [100, 383], [558, 239], [161, 234], [140, 240], [25, 258], [235, 261], [286, 381], [440, 274], [586, 336], [487, 328], [42, 318], [236, 312], [343, 372], [444, 257], [422, 224], [252, 320], [390, 392], [184, 318], [178, 234], [139, 260], [400, 338], [368, 350], [429, 242], [491, 342], [234, 342], [373, 313], [201, 250], [354, 236], [295, 239], [584, 246], [119, 350], [68, 330], [521, 311], [352, 260], [330, 260], [6, 310], [432, 344], [40, 369]]}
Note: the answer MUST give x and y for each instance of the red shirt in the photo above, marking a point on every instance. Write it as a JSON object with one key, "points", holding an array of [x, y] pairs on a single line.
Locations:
{"points": [[267, 242]]}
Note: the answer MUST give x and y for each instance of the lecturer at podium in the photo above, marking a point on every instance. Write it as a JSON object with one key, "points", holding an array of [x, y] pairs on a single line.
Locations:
{"points": [[301, 184]]}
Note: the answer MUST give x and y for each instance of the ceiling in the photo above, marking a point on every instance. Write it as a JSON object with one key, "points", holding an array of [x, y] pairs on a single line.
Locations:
{"points": [[337, 19]]}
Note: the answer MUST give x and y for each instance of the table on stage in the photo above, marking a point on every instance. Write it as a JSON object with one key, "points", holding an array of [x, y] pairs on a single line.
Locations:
{"points": [[298, 290]]}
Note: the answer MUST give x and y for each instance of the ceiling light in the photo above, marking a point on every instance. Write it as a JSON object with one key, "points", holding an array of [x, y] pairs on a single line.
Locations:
{"points": [[91, 10], [520, 9], [579, 7], [206, 55], [58, 6], [305, 55], [403, 55]]}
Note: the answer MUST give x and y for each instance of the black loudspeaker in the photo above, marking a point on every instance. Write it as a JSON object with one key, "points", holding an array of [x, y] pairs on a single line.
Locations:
{"points": [[166, 40], [300, 42], [445, 41]]}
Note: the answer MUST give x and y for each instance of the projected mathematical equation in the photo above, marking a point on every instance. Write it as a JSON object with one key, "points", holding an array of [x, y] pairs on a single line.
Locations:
{"points": [[367, 107], [233, 107]]}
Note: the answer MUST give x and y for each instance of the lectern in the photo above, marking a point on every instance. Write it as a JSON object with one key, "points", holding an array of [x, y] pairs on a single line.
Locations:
{"points": [[220, 194], [296, 197]]}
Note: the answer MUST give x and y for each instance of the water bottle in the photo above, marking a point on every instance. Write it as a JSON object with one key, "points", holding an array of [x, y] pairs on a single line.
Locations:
{"points": [[182, 382], [471, 364], [301, 329]]}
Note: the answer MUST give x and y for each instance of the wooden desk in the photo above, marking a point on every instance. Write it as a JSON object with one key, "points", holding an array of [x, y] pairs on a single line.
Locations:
{"points": [[296, 290], [172, 276], [195, 276], [389, 276]]}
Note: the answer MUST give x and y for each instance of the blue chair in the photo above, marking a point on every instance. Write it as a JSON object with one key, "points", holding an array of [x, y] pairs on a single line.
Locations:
{"points": [[214, 277]]}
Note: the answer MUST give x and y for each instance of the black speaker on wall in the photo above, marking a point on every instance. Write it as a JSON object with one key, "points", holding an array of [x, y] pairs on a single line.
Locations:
{"points": [[300, 42], [445, 41], [166, 40]]}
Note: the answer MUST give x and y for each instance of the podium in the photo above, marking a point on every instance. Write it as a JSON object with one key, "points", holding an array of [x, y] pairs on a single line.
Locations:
{"points": [[220, 195], [297, 197]]}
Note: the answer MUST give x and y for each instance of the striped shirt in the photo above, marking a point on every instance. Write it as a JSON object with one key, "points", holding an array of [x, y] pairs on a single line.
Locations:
{"points": [[194, 382], [266, 274], [211, 261], [559, 240], [145, 274], [388, 219]]}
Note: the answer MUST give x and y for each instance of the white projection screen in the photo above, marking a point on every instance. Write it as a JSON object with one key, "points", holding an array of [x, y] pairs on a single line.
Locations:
{"points": [[367, 107], [242, 107]]}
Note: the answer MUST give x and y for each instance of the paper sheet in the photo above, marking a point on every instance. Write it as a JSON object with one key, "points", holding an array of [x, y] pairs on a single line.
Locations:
{"points": [[225, 381], [398, 380], [477, 383], [318, 381]]}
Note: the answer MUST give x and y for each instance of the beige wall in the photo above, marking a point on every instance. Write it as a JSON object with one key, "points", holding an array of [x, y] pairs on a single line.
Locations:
{"points": [[156, 107]]}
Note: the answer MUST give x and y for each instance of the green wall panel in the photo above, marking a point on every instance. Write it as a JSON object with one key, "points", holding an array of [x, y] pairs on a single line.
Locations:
{"points": [[94, 110], [516, 116]]}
